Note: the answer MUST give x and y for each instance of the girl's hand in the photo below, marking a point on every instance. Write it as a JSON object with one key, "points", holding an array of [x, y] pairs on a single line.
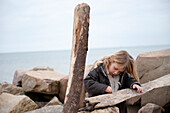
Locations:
{"points": [[139, 89], [108, 89]]}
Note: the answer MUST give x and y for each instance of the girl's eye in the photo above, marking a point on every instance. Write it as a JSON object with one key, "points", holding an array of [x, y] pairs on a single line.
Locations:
{"points": [[116, 69]]}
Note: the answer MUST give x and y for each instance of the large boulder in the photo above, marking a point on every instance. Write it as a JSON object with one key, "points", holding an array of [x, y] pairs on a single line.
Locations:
{"points": [[15, 103], [9, 88], [48, 109], [46, 82], [17, 80], [158, 95], [151, 108], [153, 65]]}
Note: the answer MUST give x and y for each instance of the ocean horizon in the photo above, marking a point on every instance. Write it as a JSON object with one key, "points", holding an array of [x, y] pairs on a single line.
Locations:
{"points": [[59, 60]]}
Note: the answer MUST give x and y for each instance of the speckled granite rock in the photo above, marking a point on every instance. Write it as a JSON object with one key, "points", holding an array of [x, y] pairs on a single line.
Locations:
{"points": [[46, 82], [15, 103]]}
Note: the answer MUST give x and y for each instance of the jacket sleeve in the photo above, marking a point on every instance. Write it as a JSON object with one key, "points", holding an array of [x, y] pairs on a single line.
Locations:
{"points": [[92, 86], [130, 80]]}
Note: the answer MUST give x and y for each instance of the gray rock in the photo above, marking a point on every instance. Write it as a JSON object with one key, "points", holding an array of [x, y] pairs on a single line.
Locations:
{"points": [[17, 80], [42, 68], [18, 76], [151, 108], [48, 109], [107, 110], [54, 101], [12, 89], [159, 96], [103, 110], [46, 82], [63, 88], [153, 65], [15, 104]]}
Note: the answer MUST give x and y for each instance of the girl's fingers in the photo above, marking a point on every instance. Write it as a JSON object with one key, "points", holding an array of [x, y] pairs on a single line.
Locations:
{"points": [[140, 89]]}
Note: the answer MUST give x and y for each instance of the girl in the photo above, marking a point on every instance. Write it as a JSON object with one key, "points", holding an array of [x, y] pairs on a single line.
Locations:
{"points": [[112, 73]]}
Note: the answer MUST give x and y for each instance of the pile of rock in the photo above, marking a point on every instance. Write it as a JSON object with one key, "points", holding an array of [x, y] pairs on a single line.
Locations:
{"points": [[42, 90], [32, 89], [40, 87]]}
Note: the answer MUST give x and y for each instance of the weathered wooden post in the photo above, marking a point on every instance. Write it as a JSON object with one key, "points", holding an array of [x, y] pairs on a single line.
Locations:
{"points": [[78, 58]]}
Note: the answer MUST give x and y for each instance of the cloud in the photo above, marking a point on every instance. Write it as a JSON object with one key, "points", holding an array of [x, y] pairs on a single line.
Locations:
{"points": [[48, 25]]}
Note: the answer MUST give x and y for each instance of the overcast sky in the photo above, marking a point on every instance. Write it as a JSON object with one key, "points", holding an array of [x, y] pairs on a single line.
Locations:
{"points": [[41, 25]]}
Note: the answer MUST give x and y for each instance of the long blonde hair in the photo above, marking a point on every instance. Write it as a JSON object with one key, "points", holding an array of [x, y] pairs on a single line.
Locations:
{"points": [[121, 57]]}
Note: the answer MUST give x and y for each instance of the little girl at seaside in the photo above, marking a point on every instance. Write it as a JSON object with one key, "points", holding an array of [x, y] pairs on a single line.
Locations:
{"points": [[112, 73]]}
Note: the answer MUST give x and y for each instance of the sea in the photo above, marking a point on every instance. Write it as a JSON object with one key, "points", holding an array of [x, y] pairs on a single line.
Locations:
{"points": [[59, 60]]}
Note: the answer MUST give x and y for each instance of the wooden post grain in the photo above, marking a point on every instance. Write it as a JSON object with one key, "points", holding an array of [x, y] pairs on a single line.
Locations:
{"points": [[78, 58]]}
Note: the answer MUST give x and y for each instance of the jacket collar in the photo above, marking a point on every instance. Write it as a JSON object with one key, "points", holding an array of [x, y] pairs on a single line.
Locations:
{"points": [[101, 68], [103, 71]]}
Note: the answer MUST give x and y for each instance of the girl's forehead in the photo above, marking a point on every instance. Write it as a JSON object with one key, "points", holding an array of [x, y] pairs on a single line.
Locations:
{"points": [[119, 66]]}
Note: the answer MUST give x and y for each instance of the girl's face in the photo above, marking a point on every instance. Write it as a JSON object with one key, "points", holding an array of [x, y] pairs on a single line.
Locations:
{"points": [[115, 69]]}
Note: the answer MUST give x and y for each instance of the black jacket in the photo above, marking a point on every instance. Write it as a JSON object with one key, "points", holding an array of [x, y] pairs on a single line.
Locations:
{"points": [[97, 81]]}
